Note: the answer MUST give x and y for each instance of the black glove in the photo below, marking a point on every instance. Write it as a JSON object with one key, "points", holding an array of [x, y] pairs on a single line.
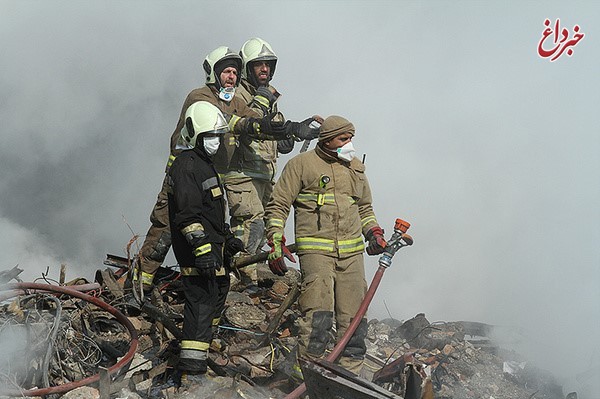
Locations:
{"points": [[264, 97], [266, 129], [301, 130], [285, 146], [376, 241], [207, 265], [233, 246]]}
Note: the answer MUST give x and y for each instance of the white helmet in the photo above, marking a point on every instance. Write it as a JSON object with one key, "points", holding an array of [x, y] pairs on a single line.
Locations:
{"points": [[256, 49], [216, 61], [202, 118]]}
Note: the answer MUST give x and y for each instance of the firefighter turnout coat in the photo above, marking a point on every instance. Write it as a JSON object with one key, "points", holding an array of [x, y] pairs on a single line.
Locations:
{"points": [[332, 204]]}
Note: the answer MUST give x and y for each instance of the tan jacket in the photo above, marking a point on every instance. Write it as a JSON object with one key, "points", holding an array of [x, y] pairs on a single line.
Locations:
{"points": [[329, 217], [253, 159]]}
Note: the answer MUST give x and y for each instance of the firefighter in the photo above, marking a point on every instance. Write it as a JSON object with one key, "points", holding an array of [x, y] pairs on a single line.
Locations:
{"points": [[202, 241], [249, 181], [223, 68], [332, 204]]}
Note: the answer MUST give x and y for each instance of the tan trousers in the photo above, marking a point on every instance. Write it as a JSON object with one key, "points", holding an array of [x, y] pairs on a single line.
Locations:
{"points": [[158, 239], [332, 291]]}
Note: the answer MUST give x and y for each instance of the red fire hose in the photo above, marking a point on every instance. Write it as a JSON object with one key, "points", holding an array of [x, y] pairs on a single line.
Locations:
{"points": [[113, 370], [399, 239]]}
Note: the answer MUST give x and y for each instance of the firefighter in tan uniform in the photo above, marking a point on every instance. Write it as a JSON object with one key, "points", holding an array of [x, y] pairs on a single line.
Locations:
{"points": [[251, 175], [332, 211], [223, 68]]}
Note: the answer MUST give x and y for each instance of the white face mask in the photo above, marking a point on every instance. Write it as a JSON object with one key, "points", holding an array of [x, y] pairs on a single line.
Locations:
{"points": [[346, 152], [226, 93], [211, 145]]}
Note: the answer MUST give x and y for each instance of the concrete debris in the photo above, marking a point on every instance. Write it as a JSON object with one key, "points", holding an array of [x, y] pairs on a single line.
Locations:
{"points": [[60, 340]]}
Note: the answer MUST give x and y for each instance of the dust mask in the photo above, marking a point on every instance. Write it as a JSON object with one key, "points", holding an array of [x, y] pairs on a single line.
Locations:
{"points": [[211, 145], [226, 93], [346, 152]]}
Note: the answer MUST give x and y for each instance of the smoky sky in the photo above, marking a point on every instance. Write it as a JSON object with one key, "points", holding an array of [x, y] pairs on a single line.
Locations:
{"points": [[489, 150]]}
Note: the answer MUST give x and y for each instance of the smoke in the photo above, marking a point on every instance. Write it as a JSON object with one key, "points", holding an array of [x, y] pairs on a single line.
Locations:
{"points": [[487, 149]]}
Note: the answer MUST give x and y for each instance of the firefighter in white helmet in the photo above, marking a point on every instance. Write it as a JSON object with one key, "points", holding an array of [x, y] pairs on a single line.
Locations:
{"points": [[222, 68], [202, 241], [249, 181]]}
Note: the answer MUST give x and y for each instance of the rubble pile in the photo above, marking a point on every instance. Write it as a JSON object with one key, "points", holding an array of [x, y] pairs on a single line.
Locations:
{"points": [[107, 342]]}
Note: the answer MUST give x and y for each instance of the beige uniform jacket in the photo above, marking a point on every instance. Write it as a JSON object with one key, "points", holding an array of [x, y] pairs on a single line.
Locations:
{"points": [[332, 204], [254, 158]]}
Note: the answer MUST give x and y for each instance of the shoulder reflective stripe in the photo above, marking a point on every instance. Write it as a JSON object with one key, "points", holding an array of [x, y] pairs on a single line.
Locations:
{"points": [[202, 249], [210, 182], [274, 223], [368, 220], [170, 161], [322, 244], [306, 197], [353, 245], [192, 227], [196, 345]]}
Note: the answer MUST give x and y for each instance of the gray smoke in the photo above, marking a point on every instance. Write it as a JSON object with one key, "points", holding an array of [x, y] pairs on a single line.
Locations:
{"points": [[490, 151]]}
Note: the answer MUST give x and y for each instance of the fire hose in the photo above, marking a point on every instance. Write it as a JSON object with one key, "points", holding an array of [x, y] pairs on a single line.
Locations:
{"points": [[398, 240], [112, 371]]}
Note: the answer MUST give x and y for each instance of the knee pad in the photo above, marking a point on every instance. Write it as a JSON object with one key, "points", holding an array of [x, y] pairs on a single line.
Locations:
{"points": [[356, 345]]}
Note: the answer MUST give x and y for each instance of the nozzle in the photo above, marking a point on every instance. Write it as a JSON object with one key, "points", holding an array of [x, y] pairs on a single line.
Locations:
{"points": [[401, 225]]}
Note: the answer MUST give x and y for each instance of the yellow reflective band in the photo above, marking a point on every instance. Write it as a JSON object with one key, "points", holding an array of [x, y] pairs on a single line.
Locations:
{"points": [[262, 101], [216, 192], [216, 321], [354, 245], [195, 345], [192, 227], [146, 278], [368, 220], [324, 198], [320, 199], [322, 244], [202, 249], [170, 161], [274, 223], [189, 271], [232, 122]]}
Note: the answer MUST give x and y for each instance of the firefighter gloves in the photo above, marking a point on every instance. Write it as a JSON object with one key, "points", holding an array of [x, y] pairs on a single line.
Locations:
{"points": [[233, 246], [277, 254], [206, 264], [302, 130], [376, 242]]}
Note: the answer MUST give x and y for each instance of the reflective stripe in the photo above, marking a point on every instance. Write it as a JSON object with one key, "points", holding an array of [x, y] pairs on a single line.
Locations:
{"points": [[354, 245], [210, 182], [325, 244], [147, 278], [233, 121], [216, 321], [322, 244], [307, 197], [170, 161], [193, 354], [262, 101], [274, 223], [189, 271], [368, 220], [192, 227], [202, 249]]}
